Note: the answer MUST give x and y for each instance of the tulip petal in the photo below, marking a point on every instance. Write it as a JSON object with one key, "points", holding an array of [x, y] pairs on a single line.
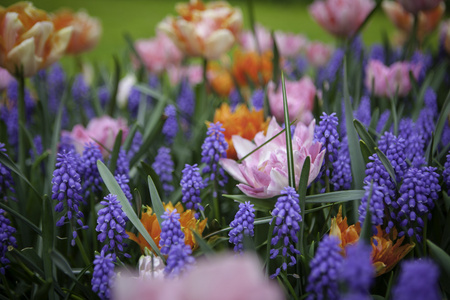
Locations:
{"points": [[232, 168], [242, 146], [23, 56], [40, 31], [217, 43], [12, 25], [59, 43]]}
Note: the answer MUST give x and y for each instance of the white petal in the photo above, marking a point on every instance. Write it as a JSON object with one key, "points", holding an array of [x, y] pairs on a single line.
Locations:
{"points": [[40, 31], [59, 42], [218, 43], [12, 25], [242, 146], [23, 56]]}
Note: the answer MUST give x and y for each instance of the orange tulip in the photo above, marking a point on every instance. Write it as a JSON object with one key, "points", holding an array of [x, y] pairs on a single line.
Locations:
{"points": [[187, 220], [206, 30], [404, 20], [29, 40], [251, 65], [220, 79], [386, 252], [241, 122], [86, 30]]}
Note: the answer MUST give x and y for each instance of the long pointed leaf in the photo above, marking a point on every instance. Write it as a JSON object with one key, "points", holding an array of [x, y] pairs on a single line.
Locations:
{"points": [[156, 200], [289, 152], [115, 189]]}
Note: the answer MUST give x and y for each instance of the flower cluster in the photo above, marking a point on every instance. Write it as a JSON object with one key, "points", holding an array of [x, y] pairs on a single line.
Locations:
{"points": [[170, 127], [326, 133], [374, 198], [163, 167], [6, 239], [103, 276], [191, 186], [6, 180], [287, 218], [214, 148], [88, 169], [242, 225]]}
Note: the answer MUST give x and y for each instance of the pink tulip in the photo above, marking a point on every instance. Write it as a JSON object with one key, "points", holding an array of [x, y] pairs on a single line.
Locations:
{"points": [[318, 54], [265, 172], [290, 44], [241, 274], [158, 53], [414, 6], [387, 81], [300, 95], [194, 74], [103, 130], [248, 43], [341, 17], [5, 78]]}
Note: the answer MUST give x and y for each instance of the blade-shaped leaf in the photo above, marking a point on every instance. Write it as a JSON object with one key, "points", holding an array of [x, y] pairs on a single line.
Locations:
{"points": [[289, 152], [340, 196], [387, 164], [206, 249], [115, 189], [156, 200], [364, 135]]}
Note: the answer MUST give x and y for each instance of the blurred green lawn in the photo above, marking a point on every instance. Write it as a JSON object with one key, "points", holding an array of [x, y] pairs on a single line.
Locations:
{"points": [[140, 17]]}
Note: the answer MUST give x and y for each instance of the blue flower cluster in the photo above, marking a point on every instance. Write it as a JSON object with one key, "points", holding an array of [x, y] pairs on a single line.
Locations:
{"points": [[325, 268], [382, 121], [81, 94], [242, 224], [191, 186], [357, 271], [418, 280], [417, 195], [67, 189], [377, 173], [363, 114], [214, 147], [235, 99], [170, 127], [122, 164], [6, 239], [178, 260], [446, 173], [123, 180], [374, 195], [163, 167], [394, 149], [186, 100], [414, 141], [327, 134], [342, 172], [6, 180], [103, 276], [89, 171], [111, 224], [257, 99], [287, 218]]}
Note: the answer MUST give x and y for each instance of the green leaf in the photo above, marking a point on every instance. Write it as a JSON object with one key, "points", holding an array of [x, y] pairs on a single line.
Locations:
{"points": [[366, 230], [115, 152], [365, 151], [440, 256], [302, 187], [289, 152], [364, 135], [148, 170], [206, 249], [116, 78], [374, 119], [48, 241], [269, 242], [441, 122], [156, 200], [340, 196], [22, 218], [259, 204], [115, 189], [387, 164], [357, 161]]}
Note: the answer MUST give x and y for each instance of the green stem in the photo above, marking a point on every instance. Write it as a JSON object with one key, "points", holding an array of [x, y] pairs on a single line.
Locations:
{"points": [[82, 251], [21, 111], [216, 201]]}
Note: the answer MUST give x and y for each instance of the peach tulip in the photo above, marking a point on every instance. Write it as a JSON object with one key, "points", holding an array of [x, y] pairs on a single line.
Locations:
{"points": [[86, 30], [207, 30], [29, 40], [414, 6]]}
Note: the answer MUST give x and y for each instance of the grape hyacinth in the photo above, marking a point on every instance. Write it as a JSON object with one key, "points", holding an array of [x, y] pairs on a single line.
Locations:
{"points": [[163, 167], [242, 224], [123, 180], [214, 147], [377, 173], [446, 173], [6, 180], [122, 164], [134, 99], [357, 271], [417, 195], [342, 172], [186, 100], [103, 95], [89, 171], [171, 233], [81, 95], [67, 189], [394, 149], [375, 196], [425, 124], [325, 268], [170, 127], [327, 134], [103, 276], [257, 99], [414, 141], [235, 99], [135, 145], [6, 240], [377, 53], [363, 112], [418, 280], [191, 186], [179, 260], [111, 224], [287, 223], [384, 117], [56, 83]]}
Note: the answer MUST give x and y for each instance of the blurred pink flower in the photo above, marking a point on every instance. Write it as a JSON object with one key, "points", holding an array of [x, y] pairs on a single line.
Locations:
{"points": [[264, 173], [318, 54], [290, 44], [341, 17], [194, 74], [5, 78], [248, 43], [103, 130], [300, 95], [386, 81], [414, 6], [241, 274], [207, 30], [158, 53]]}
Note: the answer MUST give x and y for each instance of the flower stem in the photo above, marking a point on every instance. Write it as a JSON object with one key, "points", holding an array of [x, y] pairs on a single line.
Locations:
{"points": [[21, 112]]}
